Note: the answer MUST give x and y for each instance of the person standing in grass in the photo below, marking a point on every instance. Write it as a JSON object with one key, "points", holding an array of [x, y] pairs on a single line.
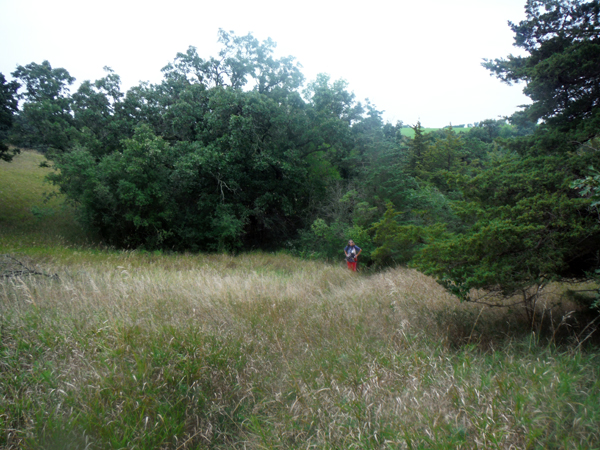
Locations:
{"points": [[352, 251]]}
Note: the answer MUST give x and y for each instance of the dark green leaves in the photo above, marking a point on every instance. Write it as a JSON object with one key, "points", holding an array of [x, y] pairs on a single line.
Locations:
{"points": [[562, 70], [528, 227], [8, 108], [45, 121]]}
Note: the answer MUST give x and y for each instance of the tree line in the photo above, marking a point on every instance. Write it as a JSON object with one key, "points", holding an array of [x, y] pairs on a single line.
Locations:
{"points": [[237, 152]]}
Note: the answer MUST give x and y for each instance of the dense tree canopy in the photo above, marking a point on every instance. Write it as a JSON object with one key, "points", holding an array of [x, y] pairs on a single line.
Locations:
{"points": [[226, 152], [45, 118]]}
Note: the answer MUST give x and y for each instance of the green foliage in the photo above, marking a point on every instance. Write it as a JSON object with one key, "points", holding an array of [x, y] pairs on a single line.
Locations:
{"points": [[130, 199], [386, 178], [525, 228], [244, 179], [99, 122], [444, 156], [409, 132], [400, 240], [488, 130], [124, 196], [417, 148], [223, 154], [561, 68], [518, 222], [396, 243], [328, 241], [242, 58], [227, 153], [45, 121], [341, 216], [8, 107], [589, 187]]}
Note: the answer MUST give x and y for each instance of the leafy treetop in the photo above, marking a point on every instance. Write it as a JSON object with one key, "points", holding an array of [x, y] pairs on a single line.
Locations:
{"points": [[562, 68]]}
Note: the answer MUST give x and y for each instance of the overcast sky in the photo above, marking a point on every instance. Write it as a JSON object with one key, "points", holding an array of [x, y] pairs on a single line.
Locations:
{"points": [[415, 60]]}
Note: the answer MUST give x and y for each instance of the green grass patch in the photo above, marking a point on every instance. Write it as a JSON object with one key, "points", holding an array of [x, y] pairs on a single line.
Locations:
{"points": [[28, 220], [409, 132]]}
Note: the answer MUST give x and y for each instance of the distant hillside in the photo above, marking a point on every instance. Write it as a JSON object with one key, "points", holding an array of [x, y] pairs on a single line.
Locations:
{"points": [[25, 218], [411, 133]]}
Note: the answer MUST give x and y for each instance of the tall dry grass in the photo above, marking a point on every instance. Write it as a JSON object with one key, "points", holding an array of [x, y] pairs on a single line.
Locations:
{"points": [[129, 350]]}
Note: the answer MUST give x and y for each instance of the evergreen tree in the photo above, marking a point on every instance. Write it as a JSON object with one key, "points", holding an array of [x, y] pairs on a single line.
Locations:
{"points": [[523, 224], [417, 148], [562, 67]]}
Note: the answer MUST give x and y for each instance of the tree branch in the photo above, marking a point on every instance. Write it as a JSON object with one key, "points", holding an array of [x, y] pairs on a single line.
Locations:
{"points": [[12, 267]]}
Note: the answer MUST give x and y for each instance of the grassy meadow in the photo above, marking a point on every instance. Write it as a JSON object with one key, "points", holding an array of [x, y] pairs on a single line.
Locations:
{"points": [[134, 350], [409, 132], [30, 216]]}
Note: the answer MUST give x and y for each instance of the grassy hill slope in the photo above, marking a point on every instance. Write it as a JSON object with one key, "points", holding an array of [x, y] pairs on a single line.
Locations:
{"points": [[26, 220], [411, 133]]}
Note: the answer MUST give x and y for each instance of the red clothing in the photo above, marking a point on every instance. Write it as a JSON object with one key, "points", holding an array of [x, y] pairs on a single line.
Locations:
{"points": [[351, 252]]}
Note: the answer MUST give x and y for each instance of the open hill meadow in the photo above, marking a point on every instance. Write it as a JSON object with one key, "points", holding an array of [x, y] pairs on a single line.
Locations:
{"points": [[410, 132], [108, 349]]}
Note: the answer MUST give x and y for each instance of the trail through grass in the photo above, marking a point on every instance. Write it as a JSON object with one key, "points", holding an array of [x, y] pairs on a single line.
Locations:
{"points": [[133, 350]]}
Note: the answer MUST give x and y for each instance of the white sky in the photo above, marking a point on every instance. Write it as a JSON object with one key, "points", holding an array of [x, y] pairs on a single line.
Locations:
{"points": [[415, 60]]}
